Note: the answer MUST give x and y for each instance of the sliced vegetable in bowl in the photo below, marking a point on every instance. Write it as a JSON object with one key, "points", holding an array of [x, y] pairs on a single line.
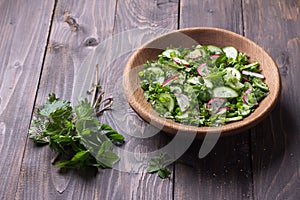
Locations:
{"points": [[203, 85], [236, 115]]}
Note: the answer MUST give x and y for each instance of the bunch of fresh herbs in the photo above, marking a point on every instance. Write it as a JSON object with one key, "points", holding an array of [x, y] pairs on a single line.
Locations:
{"points": [[78, 138], [75, 134]]}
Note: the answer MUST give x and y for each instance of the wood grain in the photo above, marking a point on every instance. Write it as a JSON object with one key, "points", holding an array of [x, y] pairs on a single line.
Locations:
{"points": [[77, 27], [29, 72], [138, 23], [24, 31], [226, 172], [226, 14], [275, 142], [76, 34]]}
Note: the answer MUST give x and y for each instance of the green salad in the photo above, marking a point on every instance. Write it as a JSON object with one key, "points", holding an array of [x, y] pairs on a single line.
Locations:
{"points": [[203, 85]]}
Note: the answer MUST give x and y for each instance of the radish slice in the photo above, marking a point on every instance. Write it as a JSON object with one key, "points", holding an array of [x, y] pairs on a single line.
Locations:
{"points": [[221, 111], [203, 70], [183, 101], [246, 97], [179, 61], [253, 74], [215, 104], [245, 79], [169, 80], [214, 57], [185, 63]]}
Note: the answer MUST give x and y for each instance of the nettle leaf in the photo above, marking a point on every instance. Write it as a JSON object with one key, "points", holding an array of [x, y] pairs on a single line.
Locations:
{"points": [[84, 110], [52, 97], [105, 127], [153, 166], [54, 105], [36, 131], [78, 159], [98, 144], [115, 137], [163, 173], [112, 134], [105, 156], [158, 164], [75, 134]]}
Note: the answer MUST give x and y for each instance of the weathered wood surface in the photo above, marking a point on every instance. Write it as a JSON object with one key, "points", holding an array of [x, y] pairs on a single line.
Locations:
{"points": [[69, 46], [260, 164], [138, 21], [76, 29], [24, 29], [275, 143], [226, 172]]}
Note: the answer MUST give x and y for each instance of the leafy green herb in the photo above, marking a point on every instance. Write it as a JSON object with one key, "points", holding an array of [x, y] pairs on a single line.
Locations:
{"points": [[184, 84], [75, 134], [158, 164]]}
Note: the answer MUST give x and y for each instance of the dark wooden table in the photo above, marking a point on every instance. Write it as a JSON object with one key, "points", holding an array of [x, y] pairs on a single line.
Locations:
{"points": [[44, 43]]}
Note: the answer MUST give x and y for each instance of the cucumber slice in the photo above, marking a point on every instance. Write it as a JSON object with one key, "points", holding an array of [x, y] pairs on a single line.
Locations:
{"points": [[171, 53], [167, 100], [224, 92], [195, 54], [230, 52], [234, 72], [183, 101], [208, 83], [203, 70], [175, 89], [233, 119], [230, 73], [238, 85], [194, 81], [214, 49], [156, 70], [159, 74]]}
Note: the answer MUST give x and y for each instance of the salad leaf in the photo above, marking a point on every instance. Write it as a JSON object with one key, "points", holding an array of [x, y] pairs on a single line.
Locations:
{"points": [[182, 81]]}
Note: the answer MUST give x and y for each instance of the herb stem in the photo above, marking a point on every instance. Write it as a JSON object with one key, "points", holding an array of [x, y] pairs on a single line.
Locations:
{"points": [[95, 85], [54, 159], [98, 100], [109, 104]]}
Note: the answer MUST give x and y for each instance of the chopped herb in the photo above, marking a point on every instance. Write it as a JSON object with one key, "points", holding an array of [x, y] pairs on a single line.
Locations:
{"points": [[158, 164], [182, 84], [75, 134]]}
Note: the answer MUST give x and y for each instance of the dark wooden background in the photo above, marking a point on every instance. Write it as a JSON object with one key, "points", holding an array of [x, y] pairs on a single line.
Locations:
{"points": [[41, 47]]}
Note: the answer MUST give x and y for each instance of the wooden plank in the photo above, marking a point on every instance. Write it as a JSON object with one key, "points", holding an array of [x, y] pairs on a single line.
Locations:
{"points": [[22, 47], [138, 23], [226, 172], [76, 30], [70, 45], [226, 14], [274, 25]]}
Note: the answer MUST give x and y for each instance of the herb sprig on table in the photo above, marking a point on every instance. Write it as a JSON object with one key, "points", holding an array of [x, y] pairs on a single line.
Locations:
{"points": [[77, 137], [75, 134], [158, 164]]}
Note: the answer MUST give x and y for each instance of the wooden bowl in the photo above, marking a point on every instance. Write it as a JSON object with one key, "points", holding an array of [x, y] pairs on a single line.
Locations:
{"points": [[187, 38]]}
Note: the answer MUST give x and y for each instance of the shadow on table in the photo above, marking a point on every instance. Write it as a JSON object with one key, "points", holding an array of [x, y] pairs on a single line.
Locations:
{"points": [[236, 159]]}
